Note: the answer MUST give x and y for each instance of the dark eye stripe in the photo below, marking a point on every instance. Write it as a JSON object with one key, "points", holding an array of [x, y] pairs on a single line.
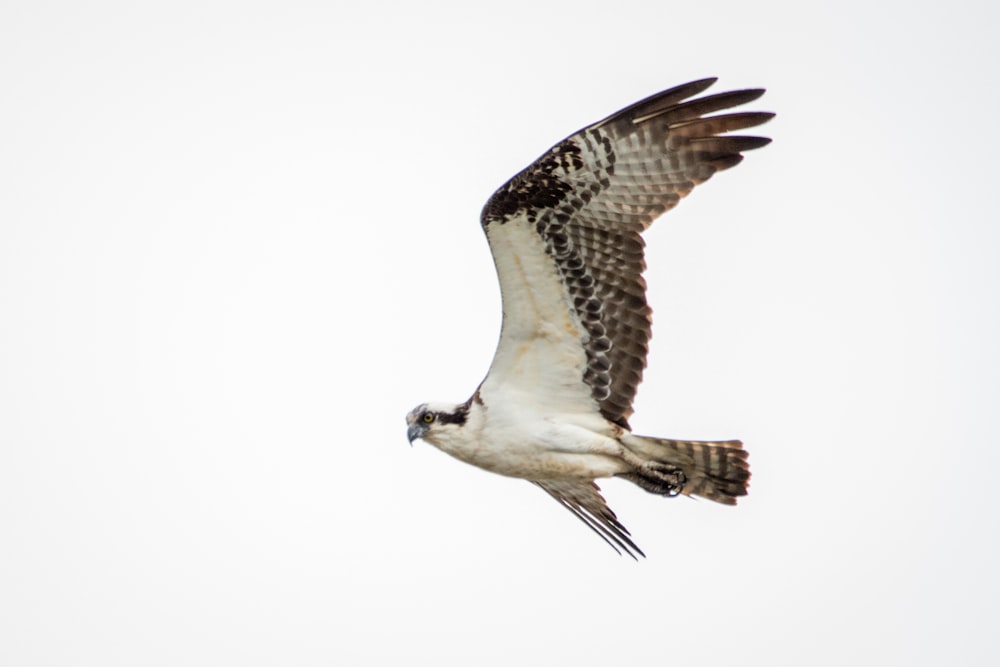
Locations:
{"points": [[457, 417]]}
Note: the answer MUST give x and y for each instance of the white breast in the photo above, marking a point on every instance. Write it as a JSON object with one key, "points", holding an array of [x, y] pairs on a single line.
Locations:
{"points": [[516, 439]]}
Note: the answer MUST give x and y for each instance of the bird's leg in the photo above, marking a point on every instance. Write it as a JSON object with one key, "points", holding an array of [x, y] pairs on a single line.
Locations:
{"points": [[669, 479], [673, 478]]}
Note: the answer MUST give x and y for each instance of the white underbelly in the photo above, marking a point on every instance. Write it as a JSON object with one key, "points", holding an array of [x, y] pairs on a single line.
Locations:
{"points": [[540, 448]]}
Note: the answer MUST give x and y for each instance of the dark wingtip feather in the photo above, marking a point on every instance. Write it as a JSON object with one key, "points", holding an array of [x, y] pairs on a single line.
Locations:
{"points": [[753, 143], [657, 102], [750, 94], [724, 162], [689, 89], [728, 144], [696, 108], [587, 505]]}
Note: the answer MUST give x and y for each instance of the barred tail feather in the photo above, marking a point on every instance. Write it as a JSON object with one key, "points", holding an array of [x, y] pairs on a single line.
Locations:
{"points": [[717, 471]]}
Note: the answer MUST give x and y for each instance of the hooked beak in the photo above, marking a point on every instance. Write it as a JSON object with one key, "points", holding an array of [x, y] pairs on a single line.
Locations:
{"points": [[415, 430]]}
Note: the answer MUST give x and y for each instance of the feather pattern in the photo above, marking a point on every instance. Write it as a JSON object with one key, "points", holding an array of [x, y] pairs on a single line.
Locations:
{"points": [[585, 202], [584, 500]]}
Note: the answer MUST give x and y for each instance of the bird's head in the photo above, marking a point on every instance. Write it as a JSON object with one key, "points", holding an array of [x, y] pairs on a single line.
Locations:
{"points": [[433, 421]]}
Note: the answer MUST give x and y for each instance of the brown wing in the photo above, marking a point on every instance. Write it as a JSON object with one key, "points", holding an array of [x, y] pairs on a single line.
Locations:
{"points": [[583, 498], [591, 195]]}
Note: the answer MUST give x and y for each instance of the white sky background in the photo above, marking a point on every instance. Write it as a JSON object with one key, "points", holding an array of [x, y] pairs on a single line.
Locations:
{"points": [[239, 241]]}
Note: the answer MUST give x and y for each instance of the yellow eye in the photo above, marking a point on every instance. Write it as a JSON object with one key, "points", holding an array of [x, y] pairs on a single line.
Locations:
{"points": [[428, 417]]}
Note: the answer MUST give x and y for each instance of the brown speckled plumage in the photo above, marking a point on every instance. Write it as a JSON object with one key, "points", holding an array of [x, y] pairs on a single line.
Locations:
{"points": [[592, 194]]}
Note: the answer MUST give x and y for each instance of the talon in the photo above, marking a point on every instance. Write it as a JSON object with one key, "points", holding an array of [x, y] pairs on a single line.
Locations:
{"points": [[677, 487], [674, 480]]}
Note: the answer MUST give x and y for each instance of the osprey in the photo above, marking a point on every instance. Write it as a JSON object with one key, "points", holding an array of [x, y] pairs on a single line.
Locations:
{"points": [[565, 237]]}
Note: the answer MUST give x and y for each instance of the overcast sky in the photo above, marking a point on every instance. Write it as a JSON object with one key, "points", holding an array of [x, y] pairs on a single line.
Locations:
{"points": [[240, 240]]}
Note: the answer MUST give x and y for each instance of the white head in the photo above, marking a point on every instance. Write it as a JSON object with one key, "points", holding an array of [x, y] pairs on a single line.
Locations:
{"points": [[432, 421]]}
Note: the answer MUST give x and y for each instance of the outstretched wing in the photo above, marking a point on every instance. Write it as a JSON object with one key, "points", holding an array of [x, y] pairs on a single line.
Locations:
{"points": [[583, 498], [565, 236]]}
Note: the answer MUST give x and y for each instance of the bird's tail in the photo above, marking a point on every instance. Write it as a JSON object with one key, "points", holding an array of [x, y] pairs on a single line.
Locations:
{"points": [[714, 470]]}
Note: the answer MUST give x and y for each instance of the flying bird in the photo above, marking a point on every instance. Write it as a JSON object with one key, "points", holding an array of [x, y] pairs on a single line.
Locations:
{"points": [[565, 237]]}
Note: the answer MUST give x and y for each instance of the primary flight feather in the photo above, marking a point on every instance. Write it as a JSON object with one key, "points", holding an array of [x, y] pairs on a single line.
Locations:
{"points": [[565, 237]]}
